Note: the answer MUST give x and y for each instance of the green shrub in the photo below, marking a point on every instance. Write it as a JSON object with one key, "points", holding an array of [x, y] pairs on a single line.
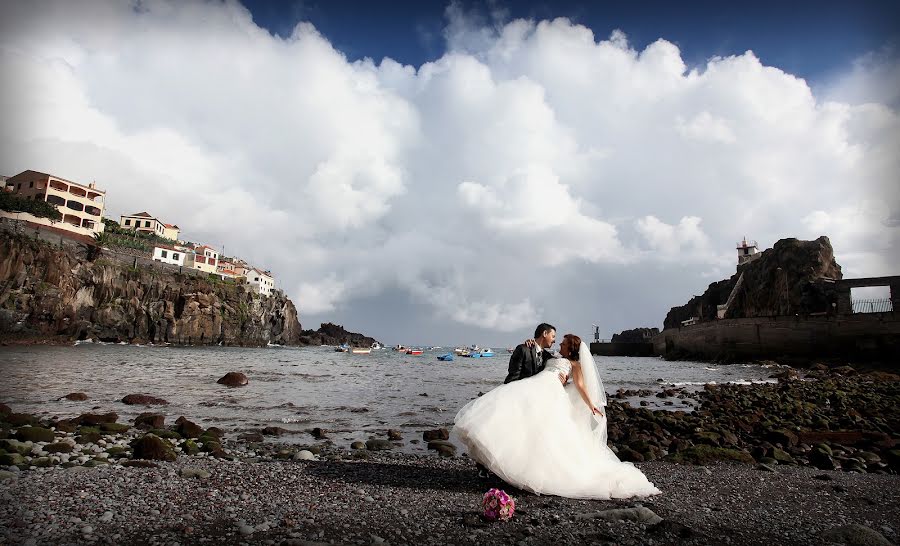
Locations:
{"points": [[42, 209]]}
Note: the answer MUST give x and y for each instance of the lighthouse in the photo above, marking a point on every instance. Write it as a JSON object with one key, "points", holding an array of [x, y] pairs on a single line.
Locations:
{"points": [[747, 251]]}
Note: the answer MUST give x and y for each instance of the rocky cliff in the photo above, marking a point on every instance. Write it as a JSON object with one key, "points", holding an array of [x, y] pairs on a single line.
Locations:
{"points": [[790, 278], [78, 293]]}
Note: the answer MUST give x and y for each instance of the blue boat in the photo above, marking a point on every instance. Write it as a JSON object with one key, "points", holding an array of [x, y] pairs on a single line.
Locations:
{"points": [[446, 358], [483, 353]]}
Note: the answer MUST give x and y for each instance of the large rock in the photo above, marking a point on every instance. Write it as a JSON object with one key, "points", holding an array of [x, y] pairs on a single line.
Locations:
{"points": [[378, 445], [35, 434], [188, 429], [76, 397], [143, 400], [15, 446], [4, 410], [20, 419], [233, 379], [150, 420], [153, 448], [10, 459], [60, 447], [437, 434], [93, 419]]}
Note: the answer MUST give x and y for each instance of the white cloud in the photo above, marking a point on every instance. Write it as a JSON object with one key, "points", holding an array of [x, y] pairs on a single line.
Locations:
{"points": [[479, 182]]}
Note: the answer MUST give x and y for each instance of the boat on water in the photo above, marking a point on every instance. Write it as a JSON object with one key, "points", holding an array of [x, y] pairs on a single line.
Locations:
{"points": [[466, 351], [446, 358], [482, 353], [342, 348], [377, 346], [400, 348], [414, 351], [361, 350]]}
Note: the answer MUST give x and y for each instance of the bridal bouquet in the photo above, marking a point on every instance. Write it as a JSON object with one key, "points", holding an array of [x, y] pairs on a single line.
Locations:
{"points": [[498, 504]]}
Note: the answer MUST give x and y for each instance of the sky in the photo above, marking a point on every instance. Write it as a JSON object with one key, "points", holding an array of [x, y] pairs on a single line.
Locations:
{"points": [[457, 172]]}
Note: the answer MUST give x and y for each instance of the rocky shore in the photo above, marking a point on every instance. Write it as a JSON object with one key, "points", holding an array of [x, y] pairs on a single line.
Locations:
{"points": [[811, 459]]}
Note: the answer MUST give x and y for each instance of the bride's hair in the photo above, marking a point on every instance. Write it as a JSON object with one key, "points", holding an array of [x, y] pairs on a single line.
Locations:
{"points": [[574, 344]]}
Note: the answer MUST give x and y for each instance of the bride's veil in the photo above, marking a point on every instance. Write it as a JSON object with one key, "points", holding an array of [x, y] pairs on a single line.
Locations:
{"points": [[594, 387], [592, 382]]}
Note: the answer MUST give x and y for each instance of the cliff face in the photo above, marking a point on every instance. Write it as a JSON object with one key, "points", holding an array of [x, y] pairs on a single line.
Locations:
{"points": [[51, 291], [787, 279]]}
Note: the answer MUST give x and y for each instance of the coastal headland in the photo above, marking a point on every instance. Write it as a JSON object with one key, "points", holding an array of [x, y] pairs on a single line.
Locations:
{"points": [[74, 290], [789, 303], [812, 458]]}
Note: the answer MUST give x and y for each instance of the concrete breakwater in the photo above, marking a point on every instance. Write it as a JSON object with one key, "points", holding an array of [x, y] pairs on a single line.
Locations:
{"points": [[869, 336]]}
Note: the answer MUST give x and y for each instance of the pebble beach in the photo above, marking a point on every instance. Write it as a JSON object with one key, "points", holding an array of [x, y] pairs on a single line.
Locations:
{"points": [[405, 499], [809, 459]]}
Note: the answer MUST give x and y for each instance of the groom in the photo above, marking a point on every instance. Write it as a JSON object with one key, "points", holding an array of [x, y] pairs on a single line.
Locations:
{"points": [[529, 358]]}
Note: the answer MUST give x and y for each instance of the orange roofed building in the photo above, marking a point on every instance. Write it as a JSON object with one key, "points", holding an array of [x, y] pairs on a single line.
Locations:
{"points": [[80, 205]]}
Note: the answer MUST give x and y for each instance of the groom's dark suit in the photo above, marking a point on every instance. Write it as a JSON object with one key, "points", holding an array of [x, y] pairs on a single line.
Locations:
{"points": [[526, 362]]}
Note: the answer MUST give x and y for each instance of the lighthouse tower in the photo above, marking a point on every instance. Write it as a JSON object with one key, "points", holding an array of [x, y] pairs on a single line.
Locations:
{"points": [[747, 251]]}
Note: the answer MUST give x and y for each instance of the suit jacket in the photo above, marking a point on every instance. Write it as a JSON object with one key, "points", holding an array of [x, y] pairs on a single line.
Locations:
{"points": [[526, 362]]}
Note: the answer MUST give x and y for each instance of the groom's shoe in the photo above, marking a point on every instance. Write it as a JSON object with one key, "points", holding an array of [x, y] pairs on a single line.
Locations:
{"points": [[483, 472]]}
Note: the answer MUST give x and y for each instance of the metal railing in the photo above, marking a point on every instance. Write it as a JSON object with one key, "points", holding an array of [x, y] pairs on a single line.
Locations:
{"points": [[879, 305]]}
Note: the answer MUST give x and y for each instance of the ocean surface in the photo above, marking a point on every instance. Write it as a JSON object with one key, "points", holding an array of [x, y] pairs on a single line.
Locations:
{"points": [[352, 396]]}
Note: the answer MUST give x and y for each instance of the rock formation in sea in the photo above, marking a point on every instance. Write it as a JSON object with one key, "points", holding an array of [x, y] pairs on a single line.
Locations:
{"points": [[76, 292], [792, 277], [636, 335]]}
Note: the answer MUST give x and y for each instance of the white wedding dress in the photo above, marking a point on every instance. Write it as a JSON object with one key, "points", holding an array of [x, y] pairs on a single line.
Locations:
{"points": [[539, 436]]}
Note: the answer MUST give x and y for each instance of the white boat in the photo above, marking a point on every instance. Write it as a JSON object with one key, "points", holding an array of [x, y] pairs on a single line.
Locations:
{"points": [[360, 350], [377, 346]]}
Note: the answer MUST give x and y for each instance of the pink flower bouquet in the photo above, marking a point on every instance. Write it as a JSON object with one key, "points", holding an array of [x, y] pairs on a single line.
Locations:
{"points": [[498, 505]]}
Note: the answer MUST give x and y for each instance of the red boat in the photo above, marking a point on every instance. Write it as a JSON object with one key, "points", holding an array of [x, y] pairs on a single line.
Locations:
{"points": [[414, 352]]}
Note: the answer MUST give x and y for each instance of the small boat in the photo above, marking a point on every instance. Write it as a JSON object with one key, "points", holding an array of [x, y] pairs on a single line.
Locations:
{"points": [[446, 358], [342, 348], [360, 350], [377, 346], [483, 353], [414, 351], [435, 348], [460, 350], [399, 348]]}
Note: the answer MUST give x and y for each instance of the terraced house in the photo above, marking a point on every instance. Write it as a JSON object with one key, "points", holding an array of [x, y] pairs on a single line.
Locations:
{"points": [[147, 223], [81, 205]]}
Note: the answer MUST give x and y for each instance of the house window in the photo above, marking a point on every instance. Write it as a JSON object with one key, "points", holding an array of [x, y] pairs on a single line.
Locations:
{"points": [[147, 223], [31, 184], [127, 222], [174, 255], [164, 254], [75, 205], [55, 200], [20, 185]]}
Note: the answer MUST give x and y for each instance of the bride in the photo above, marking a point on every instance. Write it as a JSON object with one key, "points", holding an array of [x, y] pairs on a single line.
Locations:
{"points": [[543, 436]]}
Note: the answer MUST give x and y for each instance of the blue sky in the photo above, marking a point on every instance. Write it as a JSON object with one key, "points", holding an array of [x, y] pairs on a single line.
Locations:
{"points": [[811, 39]]}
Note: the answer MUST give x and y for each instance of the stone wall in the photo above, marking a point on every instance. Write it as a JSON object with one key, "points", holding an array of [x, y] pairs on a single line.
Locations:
{"points": [[869, 336]]}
